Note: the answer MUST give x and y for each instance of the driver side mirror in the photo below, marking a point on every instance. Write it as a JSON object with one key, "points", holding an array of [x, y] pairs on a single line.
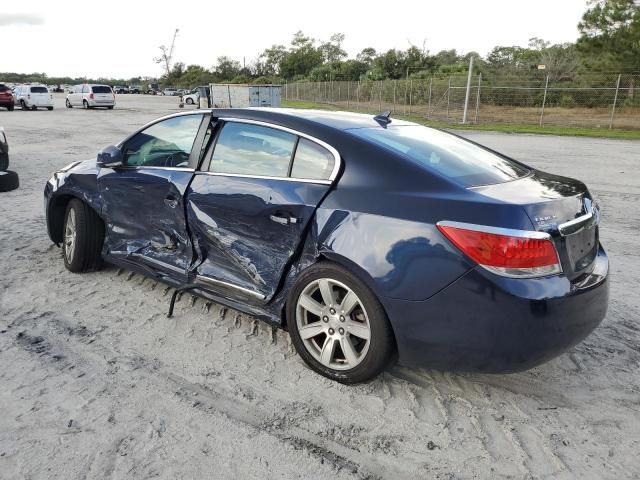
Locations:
{"points": [[109, 157]]}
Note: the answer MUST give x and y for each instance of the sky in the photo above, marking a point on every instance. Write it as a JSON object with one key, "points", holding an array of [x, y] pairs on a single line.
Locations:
{"points": [[120, 39]]}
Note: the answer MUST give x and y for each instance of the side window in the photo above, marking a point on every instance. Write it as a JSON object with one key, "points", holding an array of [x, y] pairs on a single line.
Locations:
{"points": [[249, 149], [312, 161], [163, 144]]}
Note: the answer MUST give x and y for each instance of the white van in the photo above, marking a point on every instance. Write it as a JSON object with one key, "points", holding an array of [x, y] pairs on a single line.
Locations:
{"points": [[33, 96], [90, 96]]}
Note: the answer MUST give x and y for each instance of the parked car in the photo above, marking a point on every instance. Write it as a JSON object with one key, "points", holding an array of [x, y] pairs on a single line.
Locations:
{"points": [[120, 89], [135, 88], [6, 97], [33, 97], [91, 96], [191, 98], [8, 180], [171, 92], [4, 150], [359, 234]]}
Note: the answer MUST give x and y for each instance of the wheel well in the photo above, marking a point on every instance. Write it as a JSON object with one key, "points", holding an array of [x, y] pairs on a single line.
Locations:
{"points": [[55, 218]]}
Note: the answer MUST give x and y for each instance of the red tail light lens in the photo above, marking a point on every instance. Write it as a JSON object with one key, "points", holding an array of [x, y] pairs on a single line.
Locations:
{"points": [[512, 253], [91, 96]]}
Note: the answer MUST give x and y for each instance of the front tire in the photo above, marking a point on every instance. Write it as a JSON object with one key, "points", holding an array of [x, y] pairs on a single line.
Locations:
{"points": [[190, 101], [83, 238], [338, 326]]}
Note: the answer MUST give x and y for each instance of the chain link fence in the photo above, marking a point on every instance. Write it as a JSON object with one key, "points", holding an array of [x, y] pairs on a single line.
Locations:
{"points": [[590, 100]]}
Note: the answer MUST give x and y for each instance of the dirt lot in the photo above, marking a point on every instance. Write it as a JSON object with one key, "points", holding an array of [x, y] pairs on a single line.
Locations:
{"points": [[96, 382]]}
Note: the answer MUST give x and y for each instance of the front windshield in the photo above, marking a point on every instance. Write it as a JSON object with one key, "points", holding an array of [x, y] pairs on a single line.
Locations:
{"points": [[446, 154]]}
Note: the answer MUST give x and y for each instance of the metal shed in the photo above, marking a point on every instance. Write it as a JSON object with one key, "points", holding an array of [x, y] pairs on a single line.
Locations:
{"points": [[229, 95]]}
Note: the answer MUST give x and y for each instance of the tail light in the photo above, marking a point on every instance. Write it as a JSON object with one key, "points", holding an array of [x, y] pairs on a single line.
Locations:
{"points": [[91, 95], [506, 252], [28, 95]]}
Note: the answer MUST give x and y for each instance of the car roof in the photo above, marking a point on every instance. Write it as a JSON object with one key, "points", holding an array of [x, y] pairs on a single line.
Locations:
{"points": [[334, 119]]}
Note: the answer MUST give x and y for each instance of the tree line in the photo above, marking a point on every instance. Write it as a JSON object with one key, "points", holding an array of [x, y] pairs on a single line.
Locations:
{"points": [[609, 41]]}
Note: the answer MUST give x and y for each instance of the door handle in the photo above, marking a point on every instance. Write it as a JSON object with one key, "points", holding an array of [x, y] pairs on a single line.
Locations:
{"points": [[171, 202], [283, 220]]}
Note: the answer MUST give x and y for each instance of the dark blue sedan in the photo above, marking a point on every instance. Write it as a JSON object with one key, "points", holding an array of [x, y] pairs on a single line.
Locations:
{"points": [[362, 236]]}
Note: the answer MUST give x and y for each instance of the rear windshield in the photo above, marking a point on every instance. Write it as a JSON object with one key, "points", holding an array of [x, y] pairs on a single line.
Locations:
{"points": [[101, 89], [448, 155], [39, 90], [4, 88]]}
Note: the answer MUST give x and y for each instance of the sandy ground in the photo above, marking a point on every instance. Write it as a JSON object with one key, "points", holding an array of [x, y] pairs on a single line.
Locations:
{"points": [[97, 383]]}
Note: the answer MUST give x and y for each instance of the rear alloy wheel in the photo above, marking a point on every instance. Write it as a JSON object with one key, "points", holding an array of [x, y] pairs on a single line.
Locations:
{"points": [[189, 101], [83, 237], [338, 326]]}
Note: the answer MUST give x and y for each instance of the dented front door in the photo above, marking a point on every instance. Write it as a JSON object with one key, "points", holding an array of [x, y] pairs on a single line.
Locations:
{"points": [[143, 200]]}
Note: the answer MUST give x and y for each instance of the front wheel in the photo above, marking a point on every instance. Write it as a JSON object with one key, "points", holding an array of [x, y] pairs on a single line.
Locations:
{"points": [[338, 326], [189, 101], [83, 238]]}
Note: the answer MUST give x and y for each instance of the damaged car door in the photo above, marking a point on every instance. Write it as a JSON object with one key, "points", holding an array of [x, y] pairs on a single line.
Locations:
{"points": [[249, 205], [143, 195]]}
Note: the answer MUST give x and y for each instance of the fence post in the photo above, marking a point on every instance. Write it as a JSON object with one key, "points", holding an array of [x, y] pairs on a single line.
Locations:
{"points": [[348, 93], [544, 99], [406, 89], [358, 97], [478, 98], [410, 93], [395, 84], [468, 92], [429, 104], [448, 97], [615, 100]]}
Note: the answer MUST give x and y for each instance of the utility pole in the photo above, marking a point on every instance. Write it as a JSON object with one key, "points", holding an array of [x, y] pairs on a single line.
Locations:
{"points": [[466, 97]]}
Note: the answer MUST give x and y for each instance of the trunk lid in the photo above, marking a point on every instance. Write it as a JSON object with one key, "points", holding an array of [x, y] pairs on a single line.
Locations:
{"points": [[560, 206]]}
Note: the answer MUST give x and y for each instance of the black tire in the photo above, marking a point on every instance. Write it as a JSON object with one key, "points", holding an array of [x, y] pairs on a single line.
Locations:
{"points": [[84, 254], [10, 108], [190, 101], [23, 105], [4, 161], [381, 344], [9, 181], [49, 108], [34, 108], [85, 105], [110, 108], [68, 104]]}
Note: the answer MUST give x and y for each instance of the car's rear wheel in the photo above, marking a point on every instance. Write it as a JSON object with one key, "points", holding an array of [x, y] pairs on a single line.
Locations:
{"points": [[68, 104], [49, 108], [83, 238], [10, 108], [85, 104], [338, 326], [23, 105], [189, 101]]}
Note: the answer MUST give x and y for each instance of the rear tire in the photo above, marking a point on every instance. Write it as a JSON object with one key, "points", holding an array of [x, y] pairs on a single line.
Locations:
{"points": [[189, 101], [346, 335], [23, 105], [68, 104], [83, 238], [85, 105], [9, 181], [49, 108], [110, 108], [10, 108], [4, 161]]}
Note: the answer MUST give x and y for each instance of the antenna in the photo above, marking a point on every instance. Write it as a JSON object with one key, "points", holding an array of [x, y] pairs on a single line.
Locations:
{"points": [[383, 119]]}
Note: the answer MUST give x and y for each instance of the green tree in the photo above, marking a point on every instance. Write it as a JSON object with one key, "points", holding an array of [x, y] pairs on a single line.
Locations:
{"points": [[332, 50], [226, 68], [301, 58], [610, 34]]}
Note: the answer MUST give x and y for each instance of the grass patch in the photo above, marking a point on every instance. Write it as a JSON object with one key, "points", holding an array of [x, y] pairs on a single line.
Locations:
{"points": [[492, 127]]}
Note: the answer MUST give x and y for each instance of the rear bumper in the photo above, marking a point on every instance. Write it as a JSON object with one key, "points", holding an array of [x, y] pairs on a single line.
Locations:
{"points": [[99, 103], [486, 323]]}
